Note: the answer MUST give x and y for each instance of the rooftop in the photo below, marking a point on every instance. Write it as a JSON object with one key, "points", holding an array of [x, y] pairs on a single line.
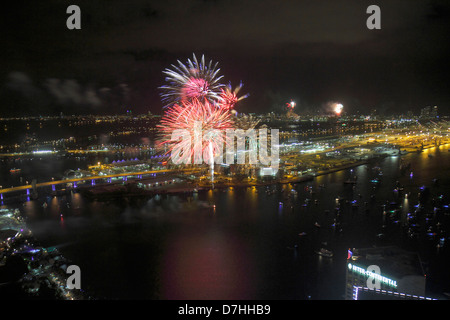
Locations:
{"points": [[392, 260]]}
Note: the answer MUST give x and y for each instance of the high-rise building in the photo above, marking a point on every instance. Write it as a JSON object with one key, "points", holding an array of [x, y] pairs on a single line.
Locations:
{"points": [[384, 273], [425, 112]]}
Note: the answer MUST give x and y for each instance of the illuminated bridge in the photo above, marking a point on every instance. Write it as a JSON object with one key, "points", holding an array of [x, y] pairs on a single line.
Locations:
{"points": [[74, 181]]}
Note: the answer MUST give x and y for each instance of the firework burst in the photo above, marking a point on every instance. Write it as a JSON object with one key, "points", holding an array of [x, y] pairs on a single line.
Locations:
{"points": [[291, 105], [194, 80], [198, 111], [194, 117], [338, 108], [229, 97]]}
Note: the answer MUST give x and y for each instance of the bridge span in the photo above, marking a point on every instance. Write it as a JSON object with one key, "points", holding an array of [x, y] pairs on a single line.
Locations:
{"points": [[54, 183]]}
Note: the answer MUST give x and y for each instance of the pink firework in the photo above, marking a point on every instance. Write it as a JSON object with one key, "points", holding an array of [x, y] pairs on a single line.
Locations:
{"points": [[195, 89], [203, 127], [194, 80], [228, 97]]}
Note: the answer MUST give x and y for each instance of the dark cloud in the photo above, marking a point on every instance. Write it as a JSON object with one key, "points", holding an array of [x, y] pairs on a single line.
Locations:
{"points": [[315, 50], [22, 96]]}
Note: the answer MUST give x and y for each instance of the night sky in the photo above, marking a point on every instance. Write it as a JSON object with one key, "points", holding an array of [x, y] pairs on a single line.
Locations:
{"points": [[310, 51]]}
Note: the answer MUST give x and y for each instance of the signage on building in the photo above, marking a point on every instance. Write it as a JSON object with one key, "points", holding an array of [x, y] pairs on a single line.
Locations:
{"points": [[372, 275]]}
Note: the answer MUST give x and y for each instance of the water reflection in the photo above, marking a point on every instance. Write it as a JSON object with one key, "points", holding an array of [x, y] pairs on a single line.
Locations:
{"points": [[77, 203], [55, 208], [257, 243], [30, 209], [213, 266]]}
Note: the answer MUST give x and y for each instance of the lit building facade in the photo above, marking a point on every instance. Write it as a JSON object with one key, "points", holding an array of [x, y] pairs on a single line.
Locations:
{"points": [[384, 273]]}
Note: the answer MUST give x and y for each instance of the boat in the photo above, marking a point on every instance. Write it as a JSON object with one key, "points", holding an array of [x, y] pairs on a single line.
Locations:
{"points": [[317, 225], [14, 170], [302, 234], [325, 253]]}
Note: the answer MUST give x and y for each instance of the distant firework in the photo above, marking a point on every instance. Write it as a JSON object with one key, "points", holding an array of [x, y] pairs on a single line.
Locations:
{"points": [[195, 80], [291, 105], [334, 107], [228, 97], [186, 117], [338, 107]]}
